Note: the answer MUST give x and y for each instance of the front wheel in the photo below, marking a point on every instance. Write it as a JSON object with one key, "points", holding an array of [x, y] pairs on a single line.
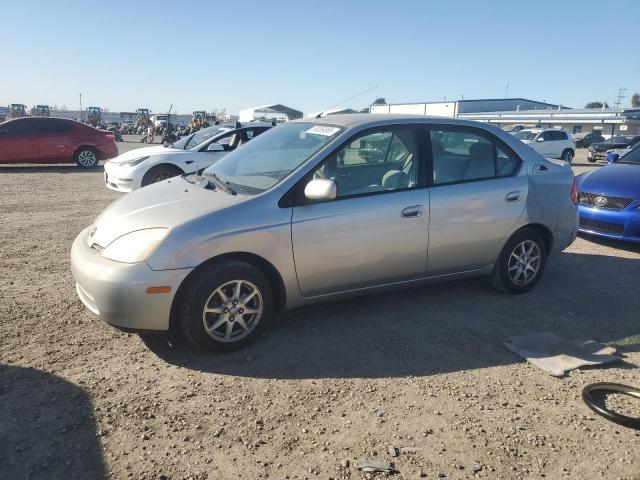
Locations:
{"points": [[160, 173], [567, 155], [226, 306], [86, 157], [521, 262]]}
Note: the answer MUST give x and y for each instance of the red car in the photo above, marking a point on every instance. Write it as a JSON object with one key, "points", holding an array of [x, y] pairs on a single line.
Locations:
{"points": [[54, 140]]}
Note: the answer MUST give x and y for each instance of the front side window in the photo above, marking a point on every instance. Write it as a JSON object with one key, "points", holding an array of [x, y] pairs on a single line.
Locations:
{"points": [[525, 135], [52, 126], [548, 136], [272, 156], [386, 159], [461, 155], [16, 127]]}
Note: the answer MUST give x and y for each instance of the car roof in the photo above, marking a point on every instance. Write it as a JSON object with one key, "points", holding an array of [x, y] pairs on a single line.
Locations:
{"points": [[353, 120]]}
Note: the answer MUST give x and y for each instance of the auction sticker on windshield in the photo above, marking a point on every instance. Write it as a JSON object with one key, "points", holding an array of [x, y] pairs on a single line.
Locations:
{"points": [[322, 130]]}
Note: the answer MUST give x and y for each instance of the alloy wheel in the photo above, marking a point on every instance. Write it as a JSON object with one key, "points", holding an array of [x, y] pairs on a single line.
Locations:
{"points": [[232, 311], [87, 158], [524, 262], [161, 176]]}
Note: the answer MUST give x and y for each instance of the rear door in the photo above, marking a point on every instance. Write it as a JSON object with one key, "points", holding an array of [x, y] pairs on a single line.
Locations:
{"points": [[477, 194], [56, 140], [18, 142], [376, 230]]}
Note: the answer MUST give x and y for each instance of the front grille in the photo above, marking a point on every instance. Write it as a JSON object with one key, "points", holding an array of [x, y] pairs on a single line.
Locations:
{"points": [[601, 227], [606, 202]]}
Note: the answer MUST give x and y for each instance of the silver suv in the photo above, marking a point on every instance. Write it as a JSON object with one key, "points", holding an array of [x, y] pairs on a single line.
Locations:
{"points": [[315, 210], [550, 142]]}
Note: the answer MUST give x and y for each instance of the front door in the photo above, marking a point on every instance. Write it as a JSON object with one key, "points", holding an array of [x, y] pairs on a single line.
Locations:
{"points": [[476, 198], [18, 142], [376, 230]]}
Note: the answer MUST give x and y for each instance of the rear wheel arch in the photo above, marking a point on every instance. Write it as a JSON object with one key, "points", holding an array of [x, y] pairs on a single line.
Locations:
{"points": [[266, 267], [541, 230]]}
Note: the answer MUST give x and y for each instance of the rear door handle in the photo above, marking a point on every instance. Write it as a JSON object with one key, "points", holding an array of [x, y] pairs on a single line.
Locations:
{"points": [[512, 196], [412, 211], [539, 168]]}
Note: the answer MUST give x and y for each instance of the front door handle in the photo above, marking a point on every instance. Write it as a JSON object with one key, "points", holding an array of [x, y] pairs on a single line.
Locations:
{"points": [[412, 211], [512, 196]]}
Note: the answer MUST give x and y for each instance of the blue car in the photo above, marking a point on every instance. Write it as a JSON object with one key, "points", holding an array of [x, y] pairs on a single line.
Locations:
{"points": [[609, 199]]}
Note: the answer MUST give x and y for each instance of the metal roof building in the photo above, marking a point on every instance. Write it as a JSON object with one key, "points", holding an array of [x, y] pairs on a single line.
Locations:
{"points": [[607, 121], [456, 107], [269, 112]]}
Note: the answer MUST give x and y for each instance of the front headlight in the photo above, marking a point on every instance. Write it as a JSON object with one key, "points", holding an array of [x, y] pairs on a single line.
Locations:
{"points": [[135, 246], [134, 162]]}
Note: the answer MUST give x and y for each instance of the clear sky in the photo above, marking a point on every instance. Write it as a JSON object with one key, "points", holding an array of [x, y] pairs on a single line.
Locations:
{"points": [[310, 55]]}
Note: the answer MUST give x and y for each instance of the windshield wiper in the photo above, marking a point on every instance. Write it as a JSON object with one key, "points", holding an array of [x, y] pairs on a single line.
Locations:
{"points": [[222, 184]]}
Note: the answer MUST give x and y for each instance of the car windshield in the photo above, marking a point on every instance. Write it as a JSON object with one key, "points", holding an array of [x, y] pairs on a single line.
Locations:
{"points": [[524, 135], [632, 157], [195, 139], [617, 140], [269, 158]]}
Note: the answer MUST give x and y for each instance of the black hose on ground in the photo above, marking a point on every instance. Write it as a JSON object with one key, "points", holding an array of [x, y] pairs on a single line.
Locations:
{"points": [[601, 409]]}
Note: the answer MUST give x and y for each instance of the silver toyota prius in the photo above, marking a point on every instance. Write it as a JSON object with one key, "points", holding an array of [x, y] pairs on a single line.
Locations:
{"points": [[313, 210]]}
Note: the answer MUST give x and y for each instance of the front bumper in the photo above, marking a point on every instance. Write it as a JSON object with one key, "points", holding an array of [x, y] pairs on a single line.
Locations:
{"points": [[117, 292], [620, 225], [120, 178]]}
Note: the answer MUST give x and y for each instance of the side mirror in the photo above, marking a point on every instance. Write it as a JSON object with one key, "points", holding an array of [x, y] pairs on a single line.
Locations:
{"points": [[613, 157], [215, 147], [321, 189], [540, 139]]}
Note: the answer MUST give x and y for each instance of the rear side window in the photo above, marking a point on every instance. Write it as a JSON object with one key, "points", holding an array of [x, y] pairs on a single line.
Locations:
{"points": [[559, 135], [53, 126], [461, 155]]}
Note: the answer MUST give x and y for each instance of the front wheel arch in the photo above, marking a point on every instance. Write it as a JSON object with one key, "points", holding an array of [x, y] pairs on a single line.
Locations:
{"points": [[252, 259], [159, 167]]}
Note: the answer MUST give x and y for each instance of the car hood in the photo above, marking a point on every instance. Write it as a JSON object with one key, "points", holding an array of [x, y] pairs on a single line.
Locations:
{"points": [[165, 204], [618, 179], [603, 146], [142, 152]]}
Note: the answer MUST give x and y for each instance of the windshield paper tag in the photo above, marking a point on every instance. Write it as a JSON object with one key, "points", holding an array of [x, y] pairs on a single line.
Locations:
{"points": [[322, 130]]}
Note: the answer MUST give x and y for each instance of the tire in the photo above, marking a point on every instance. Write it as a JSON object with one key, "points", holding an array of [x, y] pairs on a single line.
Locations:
{"points": [[160, 173], [503, 280], [203, 291], [86, 157], [567, 155]]}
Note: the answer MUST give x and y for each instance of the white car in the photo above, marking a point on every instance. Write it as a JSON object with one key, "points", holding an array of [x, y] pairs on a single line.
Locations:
{"points": [[549, 142], [143, 166]]}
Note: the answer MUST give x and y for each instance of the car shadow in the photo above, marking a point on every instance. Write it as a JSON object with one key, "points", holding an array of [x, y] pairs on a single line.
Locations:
{"points": [[49, 168], [612, 243], [47, 428], [436, 329]]}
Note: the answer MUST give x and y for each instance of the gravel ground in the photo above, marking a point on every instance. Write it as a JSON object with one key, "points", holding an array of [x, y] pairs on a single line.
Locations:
{"points": [[417, 377]]}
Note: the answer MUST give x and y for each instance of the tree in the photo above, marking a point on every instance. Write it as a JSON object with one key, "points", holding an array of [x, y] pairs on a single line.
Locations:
{"points": [[596, 104], [635, 100], [379, 101]]}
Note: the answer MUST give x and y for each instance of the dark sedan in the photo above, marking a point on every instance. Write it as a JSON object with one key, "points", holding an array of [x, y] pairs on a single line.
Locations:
{"points": [[54, 140], [598, 151], [609, 199], [584, 140]]}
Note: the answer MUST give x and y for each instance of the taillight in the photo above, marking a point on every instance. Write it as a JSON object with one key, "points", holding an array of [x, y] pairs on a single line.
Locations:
{"points": [[574, 192]]}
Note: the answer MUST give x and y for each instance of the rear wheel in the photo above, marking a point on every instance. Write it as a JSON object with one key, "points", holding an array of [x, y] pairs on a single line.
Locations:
{"points": [[226, 306], [567, 155], [160, 173], [521, 262], [86, 157]]}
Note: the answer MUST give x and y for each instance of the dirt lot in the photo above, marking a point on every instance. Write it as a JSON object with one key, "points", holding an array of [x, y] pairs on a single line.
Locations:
{"points": [[418, 377]]}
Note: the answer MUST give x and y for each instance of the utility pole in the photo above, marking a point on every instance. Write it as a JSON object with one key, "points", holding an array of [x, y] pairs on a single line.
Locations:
{"points": [[506, 88], [81, 116], [620, 96]]}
